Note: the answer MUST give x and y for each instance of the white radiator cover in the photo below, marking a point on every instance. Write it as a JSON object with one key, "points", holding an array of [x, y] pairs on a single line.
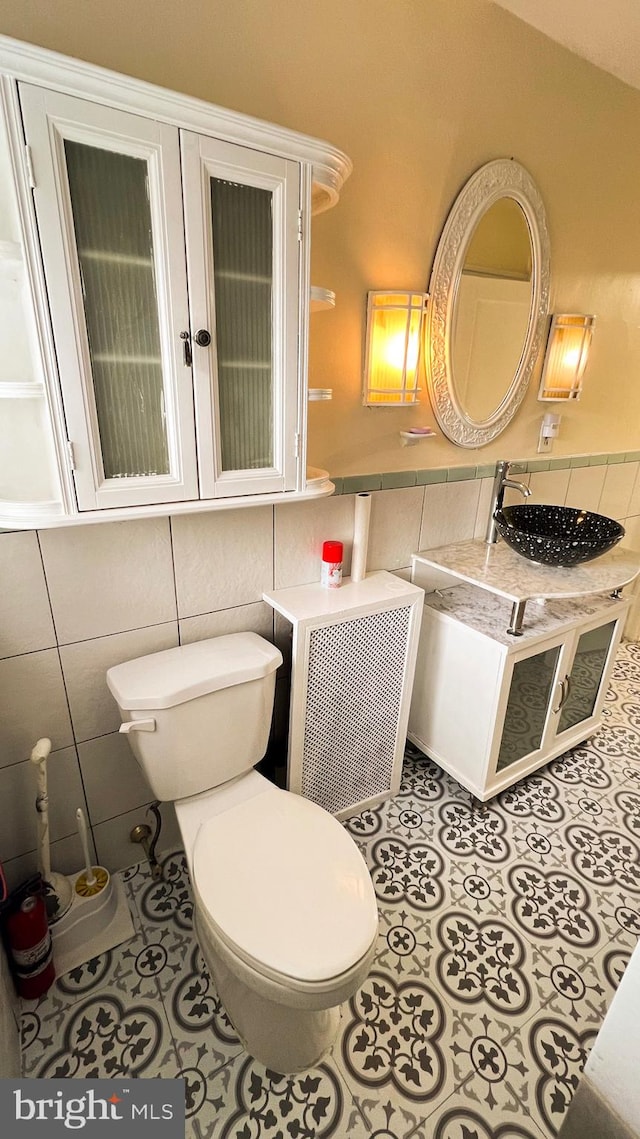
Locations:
{"points": [[353, 663]]}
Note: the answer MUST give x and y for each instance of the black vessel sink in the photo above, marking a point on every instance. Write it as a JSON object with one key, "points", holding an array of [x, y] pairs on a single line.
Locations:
{"points": [[557, 535]]}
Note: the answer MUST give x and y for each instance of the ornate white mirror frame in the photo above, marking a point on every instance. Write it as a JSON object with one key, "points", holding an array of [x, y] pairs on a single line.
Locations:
{"points": [[498, 179]]}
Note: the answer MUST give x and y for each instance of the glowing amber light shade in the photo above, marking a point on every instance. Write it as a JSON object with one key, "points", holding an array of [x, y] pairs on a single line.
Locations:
{"points": [[566, 357], [392, 362]]}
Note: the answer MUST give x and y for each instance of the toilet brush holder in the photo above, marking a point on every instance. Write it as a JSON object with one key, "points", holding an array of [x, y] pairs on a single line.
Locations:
{"points": [[97, 920]]}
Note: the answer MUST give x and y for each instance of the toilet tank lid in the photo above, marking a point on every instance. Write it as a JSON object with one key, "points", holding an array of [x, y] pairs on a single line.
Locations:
{"points": [[164, 679]]}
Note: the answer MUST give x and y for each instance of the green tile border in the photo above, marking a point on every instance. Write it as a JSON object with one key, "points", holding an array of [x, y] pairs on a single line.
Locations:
{"points": [[461, 474], [356, 484], [394, 480], [427, 478]]}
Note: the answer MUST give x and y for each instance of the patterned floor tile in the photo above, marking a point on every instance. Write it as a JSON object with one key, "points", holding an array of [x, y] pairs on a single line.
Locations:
{"points": [[536, 798], [536, 844], [610, 964], [166, 904], [619, 913], [393, 1043], [103, 1035], [485, 965], [123, 973], [603, 856], [244, 1100], [556, 1053], [493, 1071], [584, 769], [571, 986], [194, 1010], [551, 906], [462, 1118]]}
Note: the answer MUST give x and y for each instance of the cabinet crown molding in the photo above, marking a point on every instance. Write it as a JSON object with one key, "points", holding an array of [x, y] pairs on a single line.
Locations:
{"points": [[30, 63]]}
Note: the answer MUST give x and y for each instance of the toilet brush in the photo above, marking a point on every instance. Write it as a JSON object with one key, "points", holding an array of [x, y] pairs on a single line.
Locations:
{"points": [[94, 878], [57, 888]]}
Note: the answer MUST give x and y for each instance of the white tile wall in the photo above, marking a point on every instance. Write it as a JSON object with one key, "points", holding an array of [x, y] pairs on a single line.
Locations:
{"points": [[549, 486], [482, 513], [116, 589], [394, 528], [634, 501], [449, 513], [25, 613], [585, 487], [84, 665], [109, 577], [33, 704], [222, 559], [112, 778], [619, 482], [256, 618]]}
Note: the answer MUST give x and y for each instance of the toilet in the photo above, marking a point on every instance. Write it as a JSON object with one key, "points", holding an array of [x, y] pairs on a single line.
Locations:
{"points": [[285, 911]]}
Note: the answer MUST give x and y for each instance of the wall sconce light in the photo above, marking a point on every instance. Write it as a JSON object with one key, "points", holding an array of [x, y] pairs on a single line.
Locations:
{"points": [[393, 348], [565, 358]]}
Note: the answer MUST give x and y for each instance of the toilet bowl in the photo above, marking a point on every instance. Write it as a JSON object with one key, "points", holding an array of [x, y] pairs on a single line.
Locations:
{"points": [[285, 911]]}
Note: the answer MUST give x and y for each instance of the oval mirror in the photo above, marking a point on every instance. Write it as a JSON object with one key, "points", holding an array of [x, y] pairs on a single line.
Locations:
{"points": [[489, 294]]}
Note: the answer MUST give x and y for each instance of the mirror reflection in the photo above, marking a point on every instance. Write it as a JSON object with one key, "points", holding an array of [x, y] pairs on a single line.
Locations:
{"points": [[492, 309]]}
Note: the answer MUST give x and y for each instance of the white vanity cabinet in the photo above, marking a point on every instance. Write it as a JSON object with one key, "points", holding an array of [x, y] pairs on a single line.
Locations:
{"points": [[489, 707], [172, 241]]}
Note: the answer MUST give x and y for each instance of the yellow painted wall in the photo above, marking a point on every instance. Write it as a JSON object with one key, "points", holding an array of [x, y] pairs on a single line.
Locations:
{"points": [[419, 93]]}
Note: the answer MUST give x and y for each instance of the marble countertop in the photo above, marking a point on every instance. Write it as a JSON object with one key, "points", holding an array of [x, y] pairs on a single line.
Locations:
{"points": [[498, 569], [488, 613]]}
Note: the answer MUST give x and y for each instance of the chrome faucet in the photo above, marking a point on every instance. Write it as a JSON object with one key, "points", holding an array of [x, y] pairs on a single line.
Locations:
{"points": [[500, 483]]}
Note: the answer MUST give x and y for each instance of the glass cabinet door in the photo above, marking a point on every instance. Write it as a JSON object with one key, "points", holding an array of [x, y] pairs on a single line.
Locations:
{"points": [[532, 684], [582, 686], [241, 209], [108, 201]]}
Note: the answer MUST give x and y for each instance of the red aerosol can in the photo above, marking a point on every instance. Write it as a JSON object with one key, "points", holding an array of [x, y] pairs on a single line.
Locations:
{"points": [[30, 948]]}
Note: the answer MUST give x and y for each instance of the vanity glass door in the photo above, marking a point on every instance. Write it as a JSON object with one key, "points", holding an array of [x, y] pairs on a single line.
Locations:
{"points": [[585, 679], [532, 683]]}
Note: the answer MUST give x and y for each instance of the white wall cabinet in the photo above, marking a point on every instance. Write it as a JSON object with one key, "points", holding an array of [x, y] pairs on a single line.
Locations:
{"points": [[169, 242], [490, 708]]}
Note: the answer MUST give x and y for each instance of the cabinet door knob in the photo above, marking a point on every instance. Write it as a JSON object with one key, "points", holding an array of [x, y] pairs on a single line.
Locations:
{"points": [[202, 338]]}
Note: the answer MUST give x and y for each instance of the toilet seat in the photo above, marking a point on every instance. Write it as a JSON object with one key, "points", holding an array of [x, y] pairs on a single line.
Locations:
{"points": [[286, 889]]}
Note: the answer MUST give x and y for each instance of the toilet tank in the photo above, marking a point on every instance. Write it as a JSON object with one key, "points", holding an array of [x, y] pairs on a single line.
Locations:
{"points": [[197, 715]]}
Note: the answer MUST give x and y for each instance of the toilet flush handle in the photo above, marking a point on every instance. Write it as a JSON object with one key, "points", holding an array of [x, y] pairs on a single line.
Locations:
{"points": [[138, 726]]}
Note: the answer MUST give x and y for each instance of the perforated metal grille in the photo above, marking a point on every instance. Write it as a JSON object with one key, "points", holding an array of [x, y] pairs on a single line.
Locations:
{"points": [[354, 695]]}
